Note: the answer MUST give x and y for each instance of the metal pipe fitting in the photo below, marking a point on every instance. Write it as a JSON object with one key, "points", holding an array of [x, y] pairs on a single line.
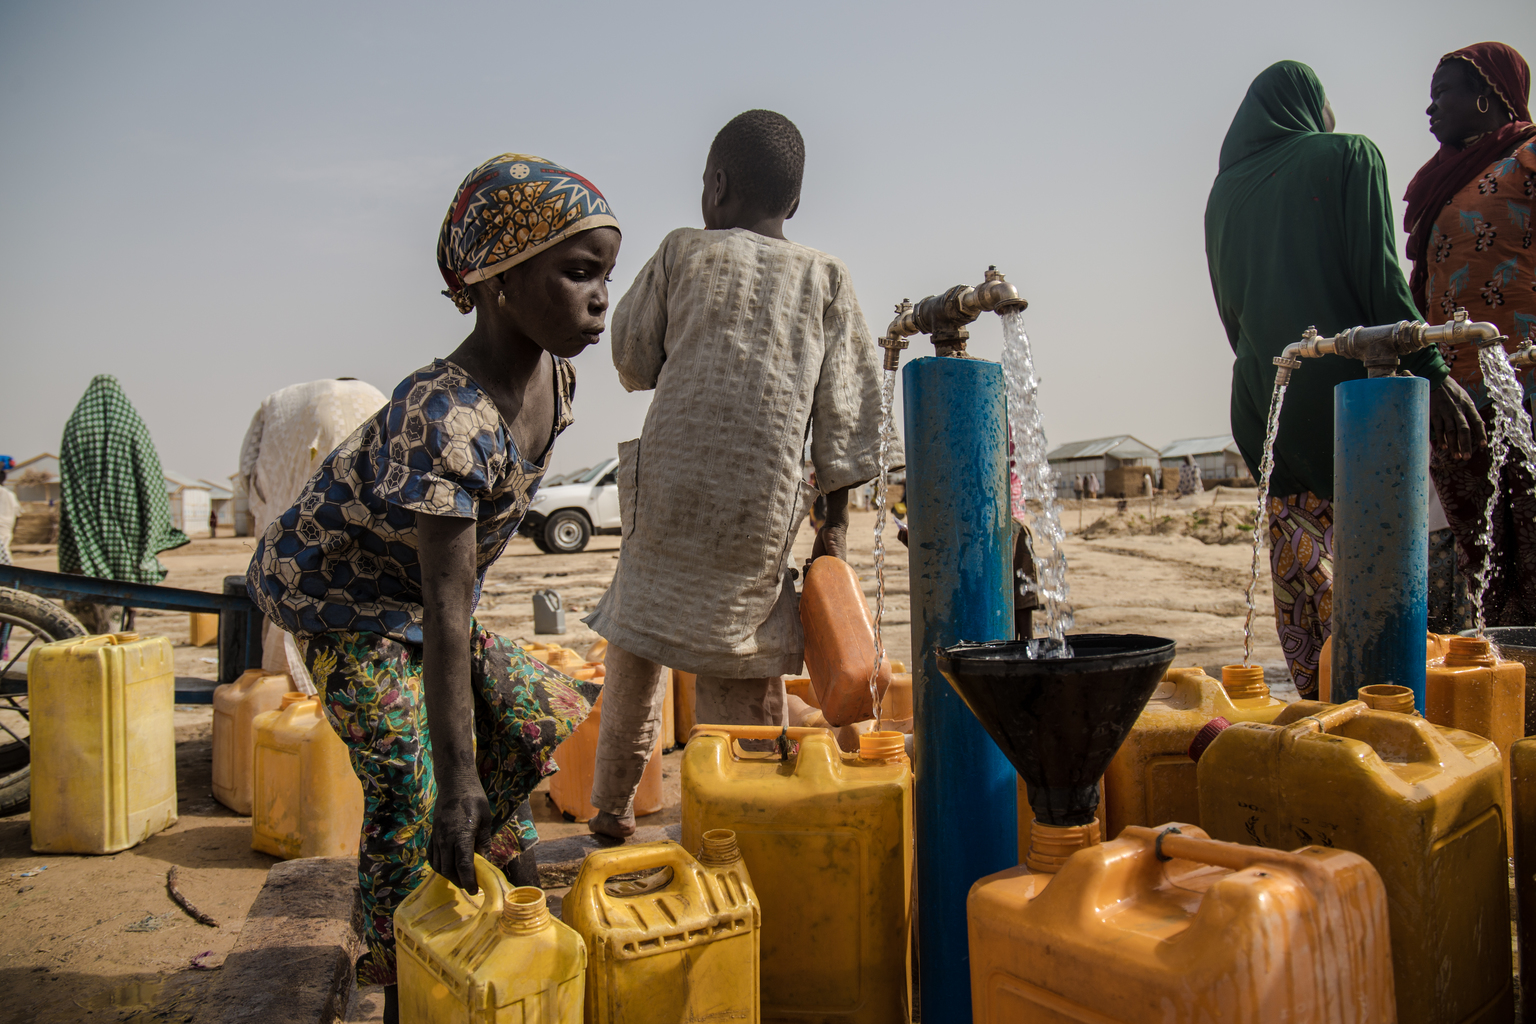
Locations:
{"points": [[945, 316], [1380, 347], [896, 335], [1524, 357]]}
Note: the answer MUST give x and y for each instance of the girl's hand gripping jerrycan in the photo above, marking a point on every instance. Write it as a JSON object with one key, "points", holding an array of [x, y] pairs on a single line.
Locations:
{"points": [[840, 642], [681, 945], [1423, 803], [501, 959]]}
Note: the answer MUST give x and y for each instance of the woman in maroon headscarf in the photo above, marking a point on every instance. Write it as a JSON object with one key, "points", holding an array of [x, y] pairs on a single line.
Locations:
{"points": [[1470, 238]]}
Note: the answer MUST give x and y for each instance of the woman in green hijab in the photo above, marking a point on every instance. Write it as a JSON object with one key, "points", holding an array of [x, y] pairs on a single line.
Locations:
{"points": [[1298, 233]]}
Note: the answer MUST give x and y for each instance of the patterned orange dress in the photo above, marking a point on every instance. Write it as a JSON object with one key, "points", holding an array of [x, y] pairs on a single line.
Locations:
{"points": [[1482, 257]]}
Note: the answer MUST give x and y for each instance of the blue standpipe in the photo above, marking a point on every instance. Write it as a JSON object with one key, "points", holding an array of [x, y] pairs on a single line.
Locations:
{"points": [[1381, 538], [961, 561]]}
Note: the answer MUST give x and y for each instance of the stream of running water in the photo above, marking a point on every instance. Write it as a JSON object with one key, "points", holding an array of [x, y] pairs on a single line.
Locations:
{"points": [[1037, 483], [887, 432], [1261, 512], [1511, 429]]}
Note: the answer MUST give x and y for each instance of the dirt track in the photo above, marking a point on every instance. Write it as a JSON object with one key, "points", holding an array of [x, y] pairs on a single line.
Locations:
{"points": [[97, 938]]}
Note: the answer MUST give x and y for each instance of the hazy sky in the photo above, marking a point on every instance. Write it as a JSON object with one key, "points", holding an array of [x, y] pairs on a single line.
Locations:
{"points": [[212, 200]]}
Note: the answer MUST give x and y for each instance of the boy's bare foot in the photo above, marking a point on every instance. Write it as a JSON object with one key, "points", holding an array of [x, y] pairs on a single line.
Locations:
{"points": [[612, 826]]}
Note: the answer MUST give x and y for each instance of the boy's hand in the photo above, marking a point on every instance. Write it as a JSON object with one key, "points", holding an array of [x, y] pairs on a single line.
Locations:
{"points": [[461, 824], [831, 540], [1455, 425]]}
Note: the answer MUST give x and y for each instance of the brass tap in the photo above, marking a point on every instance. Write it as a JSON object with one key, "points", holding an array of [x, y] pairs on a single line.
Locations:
{"points": [[945, 316], [896, 335], [1380, 348], [1524, 357]]}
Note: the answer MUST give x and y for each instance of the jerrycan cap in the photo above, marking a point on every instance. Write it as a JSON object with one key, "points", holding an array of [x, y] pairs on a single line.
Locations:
{"points": [[1205, 737], [1464, 651], [1243, 682], [293, 697], [526, 910], [1388, 697], [885, 745], [719, 848]]}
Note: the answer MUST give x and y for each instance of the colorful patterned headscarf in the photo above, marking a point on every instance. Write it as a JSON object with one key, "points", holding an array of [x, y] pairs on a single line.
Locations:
{"points": [[508, 210]]}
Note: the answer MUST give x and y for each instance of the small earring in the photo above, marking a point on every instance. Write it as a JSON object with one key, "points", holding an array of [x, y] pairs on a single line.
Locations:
{"points": [[1482, 104], [501, 298]]}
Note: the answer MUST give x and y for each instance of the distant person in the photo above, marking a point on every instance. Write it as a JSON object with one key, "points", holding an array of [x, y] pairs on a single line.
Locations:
{"points": [[1470, 221], [1147, 489], [213, 523], [750, 340], [378, 564], [1092, 483], [114, 515], [291, 434], [10, 509], [1189, 477], [1298, 232], [1077, 487]]}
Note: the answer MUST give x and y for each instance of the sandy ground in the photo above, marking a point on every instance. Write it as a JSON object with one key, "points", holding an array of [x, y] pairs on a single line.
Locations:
{"points": [[98, 939]]}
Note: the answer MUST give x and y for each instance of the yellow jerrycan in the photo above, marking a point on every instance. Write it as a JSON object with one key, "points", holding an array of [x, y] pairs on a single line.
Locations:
{"points": [[307, 802], [235, 707], [1435, 645], [498, 958], [103, 742], [1522, 768], [1469, 688], [1422, 803], [1152, 778], [828, 839], [679, 945], [1168, 925]]}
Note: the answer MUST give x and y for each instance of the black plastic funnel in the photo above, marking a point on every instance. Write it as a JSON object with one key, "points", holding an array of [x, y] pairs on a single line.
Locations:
{"points": [[1059, 720]]}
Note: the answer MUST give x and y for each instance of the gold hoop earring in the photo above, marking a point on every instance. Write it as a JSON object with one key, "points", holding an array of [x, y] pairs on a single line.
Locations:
{"points": [[1482, 104], [501, 298]]}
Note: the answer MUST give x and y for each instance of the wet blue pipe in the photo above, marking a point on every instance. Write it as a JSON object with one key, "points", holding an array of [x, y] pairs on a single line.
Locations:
{"points": [[1380, 530], [960, 558]]}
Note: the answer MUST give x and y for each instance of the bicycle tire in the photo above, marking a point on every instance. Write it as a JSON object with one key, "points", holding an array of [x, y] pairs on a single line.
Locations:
{"points": [[48, 622]]}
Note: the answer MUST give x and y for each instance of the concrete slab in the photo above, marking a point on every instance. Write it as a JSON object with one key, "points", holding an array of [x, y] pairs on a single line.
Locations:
{"points": [[294, 960]]}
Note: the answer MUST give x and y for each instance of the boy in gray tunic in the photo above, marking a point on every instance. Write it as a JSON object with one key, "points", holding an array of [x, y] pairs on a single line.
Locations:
{"points": [[750, 341]]}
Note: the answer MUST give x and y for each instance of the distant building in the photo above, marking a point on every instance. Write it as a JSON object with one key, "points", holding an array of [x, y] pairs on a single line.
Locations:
{"points": [[1114, 459], [190, 503], [1218, 458], [36, 479], [221, 497]]}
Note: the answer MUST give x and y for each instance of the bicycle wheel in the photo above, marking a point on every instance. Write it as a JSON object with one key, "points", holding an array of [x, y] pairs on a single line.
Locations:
{"points": [[26, 621]]}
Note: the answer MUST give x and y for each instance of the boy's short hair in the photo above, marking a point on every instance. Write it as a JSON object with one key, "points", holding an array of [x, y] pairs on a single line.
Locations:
{"points": [[763, 154]]}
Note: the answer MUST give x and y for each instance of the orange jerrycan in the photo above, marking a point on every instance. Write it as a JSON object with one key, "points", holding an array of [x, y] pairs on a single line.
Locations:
{"points": [[1152, 778], [683, 704], [103, 742], [840, 642], [1469, 688], [1435, 645], [235, 707], [828, 839], [1170, 926], [1422, 803], [679, 945], [499, 957], [306, 801], [571, 787]]}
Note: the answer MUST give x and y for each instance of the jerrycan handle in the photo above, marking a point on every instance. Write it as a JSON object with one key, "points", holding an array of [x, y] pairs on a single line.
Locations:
{"points": [[493, 887], [1170, 843], [758, 732], [1298, 723], [645, 857], [1324, 719]]}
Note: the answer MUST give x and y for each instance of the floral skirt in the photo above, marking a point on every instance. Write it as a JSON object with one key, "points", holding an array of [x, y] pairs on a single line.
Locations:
{"points": [[1301, 568], [372, 691]]}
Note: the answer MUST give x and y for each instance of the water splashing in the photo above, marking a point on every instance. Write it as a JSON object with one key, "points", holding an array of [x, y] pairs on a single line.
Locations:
{"points": [[1511, 427], [887, 430], [1037, 482], [1261, 513]]}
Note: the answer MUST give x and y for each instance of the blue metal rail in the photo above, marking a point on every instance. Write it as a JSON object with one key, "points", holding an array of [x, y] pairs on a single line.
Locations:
{"points": [[239, 619]]}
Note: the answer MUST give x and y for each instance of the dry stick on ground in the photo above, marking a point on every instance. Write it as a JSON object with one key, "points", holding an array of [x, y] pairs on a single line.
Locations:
{"points": [[184, 903]]}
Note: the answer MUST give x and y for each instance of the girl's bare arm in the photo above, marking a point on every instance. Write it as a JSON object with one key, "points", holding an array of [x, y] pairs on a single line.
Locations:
{"points": [[461, 821]]}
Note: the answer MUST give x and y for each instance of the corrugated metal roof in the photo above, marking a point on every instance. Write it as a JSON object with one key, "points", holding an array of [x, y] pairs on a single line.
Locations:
{"points": [[175, 481], [218, 492], [1121, 446], [1200, 446]]}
